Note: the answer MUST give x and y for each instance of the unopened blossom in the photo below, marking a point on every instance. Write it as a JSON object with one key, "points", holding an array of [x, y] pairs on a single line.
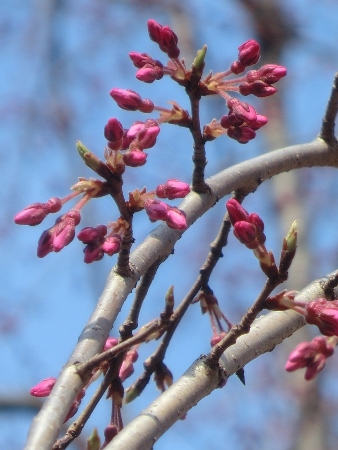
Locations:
{"points": [[149, 73], [141, 59], [35, 213], [311, 355], [110, 343], [172, 189], [156, 209], [44, 388], [112, 244], [324, 314], [134, 158], [164, 37], [127, 367], [257, 88], [241, 134], [269, 73], [64, 229], [131, 100], [176, 219], [242, 110], [147, 134], [91, 234], [248, 53]]}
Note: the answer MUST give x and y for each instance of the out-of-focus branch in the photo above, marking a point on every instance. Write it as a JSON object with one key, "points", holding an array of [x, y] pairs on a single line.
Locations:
{"points": [[159, 244], [200, 380]]}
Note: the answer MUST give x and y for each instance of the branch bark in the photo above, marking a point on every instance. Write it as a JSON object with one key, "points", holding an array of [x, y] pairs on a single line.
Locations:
{"points": [[200, 380], [160, 242]]}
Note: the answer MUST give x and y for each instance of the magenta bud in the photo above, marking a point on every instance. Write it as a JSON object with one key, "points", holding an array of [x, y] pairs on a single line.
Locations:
{"points": [[134, 129], [324, 314], [271, 73], [64, 229], [164, 37], [248, 53], [245, 232], [176, 219], [92, 252], [172, 189], [148, 74], [241, 110], [110, 343], [241, 134], [147, 106], [236, 211], [146, 137], [257, 88], [113, 131], [135, 158], [259, 122], [44, 388], [45, 244], [112, 244], [126, 99], [88, 234], [156, 209], [141, 59], [237, 67], [35, 213]]}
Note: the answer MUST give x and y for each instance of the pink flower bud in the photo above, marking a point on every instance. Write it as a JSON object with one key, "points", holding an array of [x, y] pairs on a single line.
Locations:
{"points": [[270, 73], [237, 67], [135, 158], [127, 368], [147, 106], [241, 110], [236, 211], [164, 37], [324, 314], [64, 229], [231, 120], [156, 209], [92, 252], [259, 122], [112, 244], [248, 53], [172, 189], [241, 134], [176, 219], [45, 244], [141, 59], [44, 388], [126, 99], [257, 88], [110, 343], [134, 129], [245, 232], [149, 73], [113, 131], [311, 355], [35, 213], [146, 137], [91, 234]]}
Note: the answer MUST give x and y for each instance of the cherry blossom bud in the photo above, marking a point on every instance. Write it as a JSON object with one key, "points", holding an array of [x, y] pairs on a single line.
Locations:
{"points": [[241, 110], [64, 230], [126, 99], [35, 213], [176, 219], [248, 53], [231, 120], [259, 122], [91, 234], [109, 433], [135, 158], [141, 59], [127, 368], [164, 37], [110, 343], [156, 209], [311, 355], [44, 388], [147, 106], [113, 131], [146, 137], [324, 314], [148, 73], [112, 244], [241, 134], [270, 73], [172, 189], [45, 244], [133, 130], [257, 88], [236, 211], [245, 232], [92, 252], [237, 67]]}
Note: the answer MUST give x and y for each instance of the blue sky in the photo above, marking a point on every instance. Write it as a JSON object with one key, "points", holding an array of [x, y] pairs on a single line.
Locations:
{"points": [[58, 66]]}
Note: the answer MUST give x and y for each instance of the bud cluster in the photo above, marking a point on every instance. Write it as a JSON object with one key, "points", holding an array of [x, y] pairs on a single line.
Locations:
{"points": [[311, 355]]}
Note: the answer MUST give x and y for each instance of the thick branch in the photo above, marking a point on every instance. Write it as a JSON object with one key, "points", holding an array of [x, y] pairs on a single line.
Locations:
{"points": [[249, 174], [199, 380]]}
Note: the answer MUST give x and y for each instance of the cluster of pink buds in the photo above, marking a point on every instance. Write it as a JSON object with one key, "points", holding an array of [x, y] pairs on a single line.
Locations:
{"points": [[126, 147], [99, 242], [320, 312], [311, 355], [44, 388]]}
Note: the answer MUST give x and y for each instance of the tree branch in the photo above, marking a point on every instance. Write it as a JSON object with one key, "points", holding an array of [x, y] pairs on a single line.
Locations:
{"points": [[159, 244], [200, 380]]}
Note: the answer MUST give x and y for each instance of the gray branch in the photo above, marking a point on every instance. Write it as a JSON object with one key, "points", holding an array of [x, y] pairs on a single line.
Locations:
{"points": [[249, 174], [200, 380]]}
